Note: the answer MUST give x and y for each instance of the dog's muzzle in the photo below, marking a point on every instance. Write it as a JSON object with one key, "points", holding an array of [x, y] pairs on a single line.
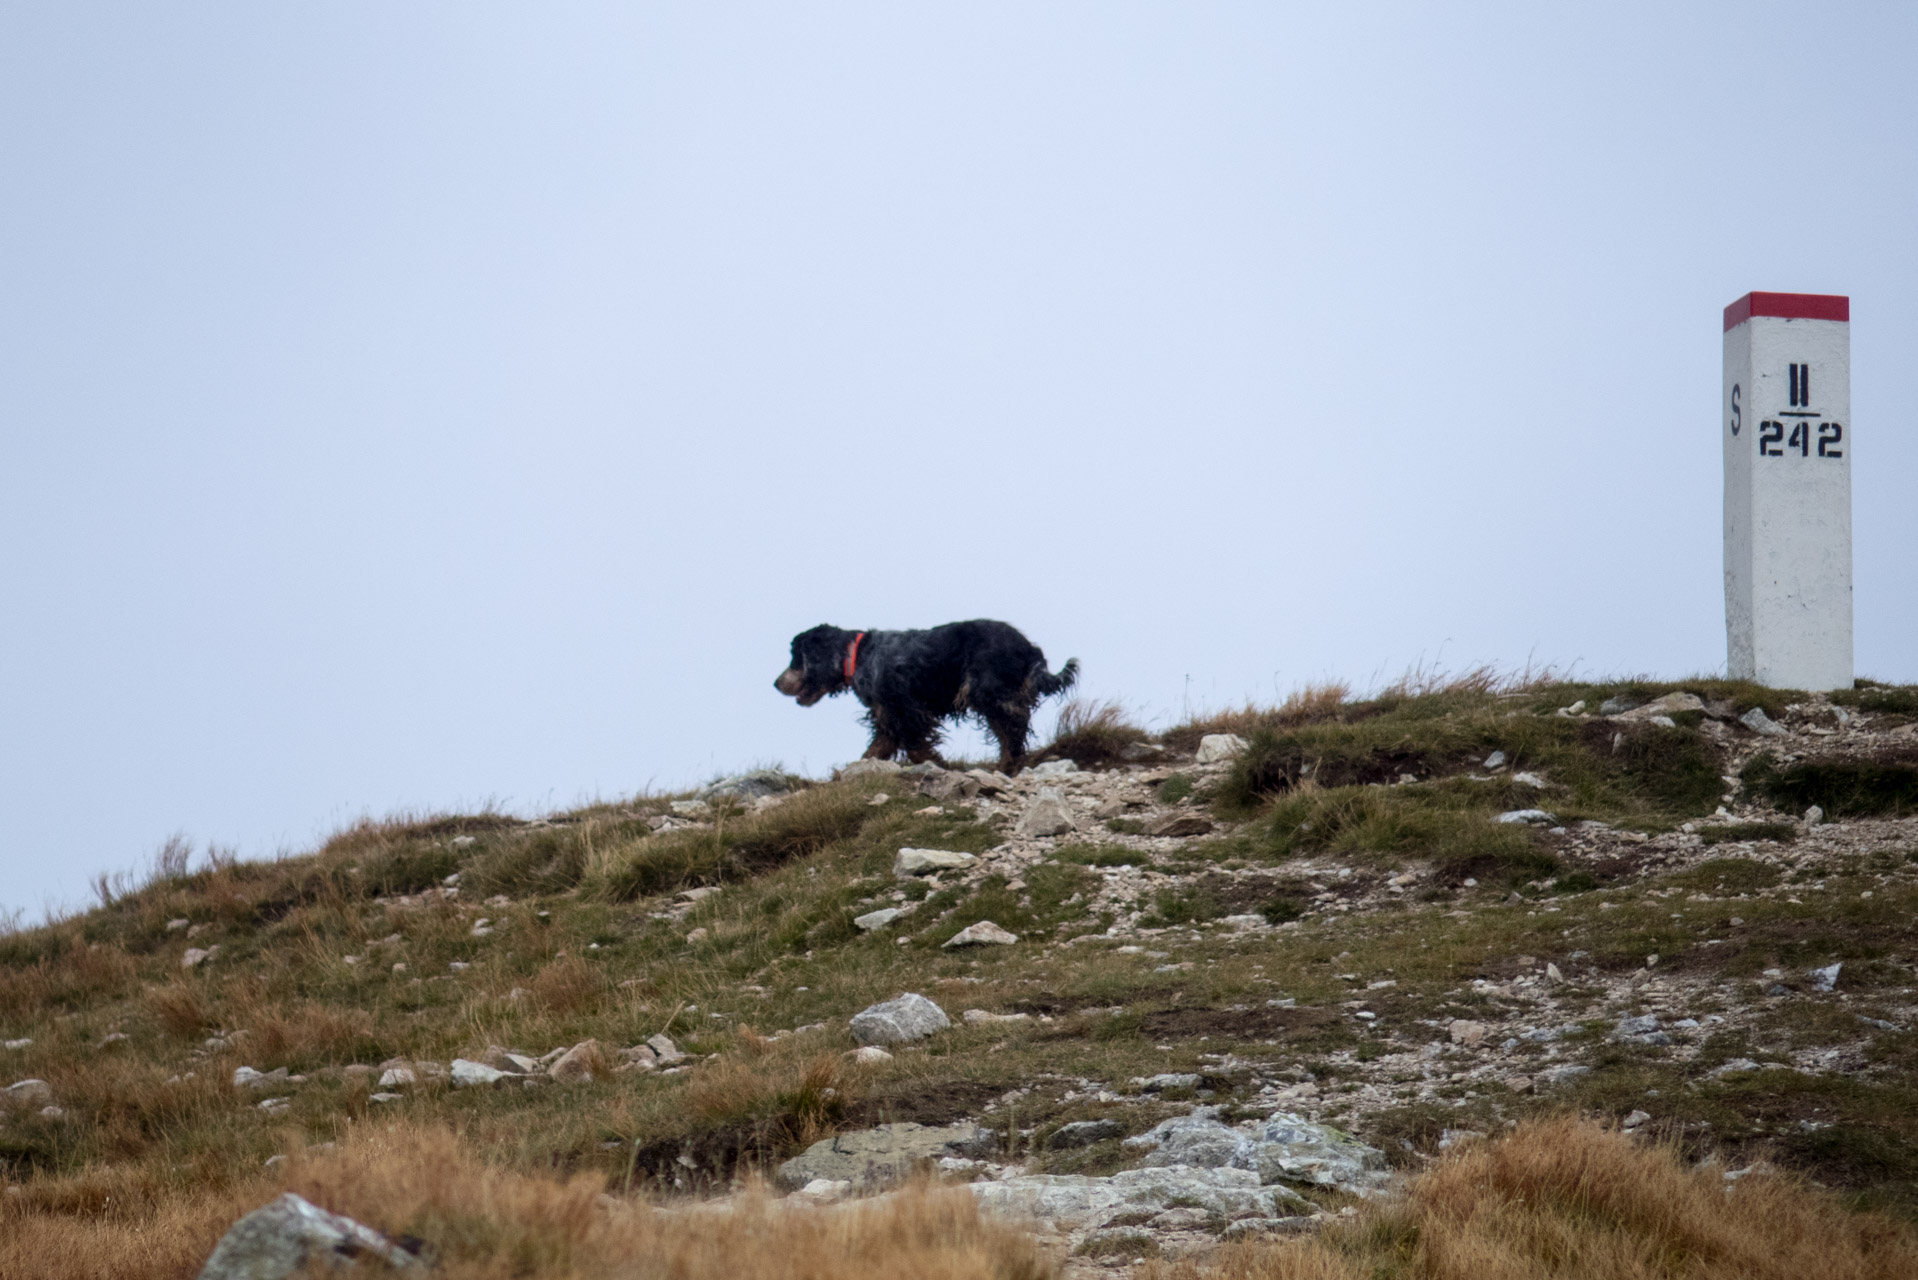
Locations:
{"points": [[792, 683]]}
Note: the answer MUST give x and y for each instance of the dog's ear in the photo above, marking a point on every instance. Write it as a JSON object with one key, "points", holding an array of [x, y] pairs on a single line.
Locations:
{"points": [[820, 653]]}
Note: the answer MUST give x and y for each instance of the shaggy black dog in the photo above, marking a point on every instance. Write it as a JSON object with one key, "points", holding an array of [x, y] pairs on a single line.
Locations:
{"points": [[912, 680]]}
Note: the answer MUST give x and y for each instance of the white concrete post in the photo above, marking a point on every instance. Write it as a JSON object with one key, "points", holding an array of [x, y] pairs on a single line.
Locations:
{"points": [[1788, 449]]}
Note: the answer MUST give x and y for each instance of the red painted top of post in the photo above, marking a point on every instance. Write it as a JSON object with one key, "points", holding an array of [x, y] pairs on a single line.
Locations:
{"points": [[1789, 306]]}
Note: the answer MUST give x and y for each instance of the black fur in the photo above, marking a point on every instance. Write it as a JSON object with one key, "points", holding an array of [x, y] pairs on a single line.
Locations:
{"points": [[911, 681]]}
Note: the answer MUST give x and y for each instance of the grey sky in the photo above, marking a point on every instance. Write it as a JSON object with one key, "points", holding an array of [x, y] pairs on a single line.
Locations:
{"points": [[406, 406]]}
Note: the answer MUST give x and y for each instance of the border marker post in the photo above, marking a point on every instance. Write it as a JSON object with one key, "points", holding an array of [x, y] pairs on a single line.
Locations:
{"points": [[1787, 431]]}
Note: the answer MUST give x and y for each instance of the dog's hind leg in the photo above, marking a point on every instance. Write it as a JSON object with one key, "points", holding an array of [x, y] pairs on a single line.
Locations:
{"points": [[1011, 726]]}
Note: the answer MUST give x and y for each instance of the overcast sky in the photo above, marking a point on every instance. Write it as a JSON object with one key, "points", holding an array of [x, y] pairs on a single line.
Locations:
{"points": [[407, 406]]}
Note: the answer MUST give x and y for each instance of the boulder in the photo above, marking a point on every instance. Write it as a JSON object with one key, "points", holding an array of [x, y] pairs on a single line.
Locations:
{"points": [[925, 862], [1667, 706], [907, 1018], [983, 934], [1073, 1200], [1283, 1147], [1045, 816], [877, 919], [869, 768], [471, 1075], [1083, 1133], [506, 1060], [1535, 817], [28, 1093], [875, 1157], [753, 785], [290, 1235], [1179, 824], [950, 786], [1215, 747], [578, 1063]]}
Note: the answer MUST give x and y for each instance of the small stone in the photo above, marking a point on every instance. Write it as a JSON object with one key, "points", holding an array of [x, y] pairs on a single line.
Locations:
{"points": [[577, 1063], [1519, 1084], [173, 926], [21, 1043], [1636, 1118], [698, 936], [1664, 708], [1494, 761], [1055, 769], [1179, 825], [983, 934], [1529, 780], [883, 1154], [1046, 816], [1552, 974], [1168, 1080], [1083, 1133], [1814, 816], [195, 957], [392, 1078], [909, 1017], [1559, 1075], [1642, 1025], [1215, 747], [826, 1190], [281, 1240], [1758, 722], [1825, 979], [274, 1106], [53, 1113], [1466, 1032], [28, 1093], [1536, 817], [877, 919], [468, 1074], [481, 928], [867, 768], [664, 1049], [980, 1015], [869, 1055], [925, 862]]}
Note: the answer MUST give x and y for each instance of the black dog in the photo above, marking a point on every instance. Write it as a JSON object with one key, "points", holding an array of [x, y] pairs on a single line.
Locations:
{"points": [[911, 680]]}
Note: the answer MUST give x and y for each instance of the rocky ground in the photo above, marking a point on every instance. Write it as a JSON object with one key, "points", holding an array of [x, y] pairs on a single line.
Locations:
{"points": [[1151, 1006]]}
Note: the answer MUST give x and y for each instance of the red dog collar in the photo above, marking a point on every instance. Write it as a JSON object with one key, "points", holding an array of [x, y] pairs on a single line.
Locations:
{"points": [[852, 655]]}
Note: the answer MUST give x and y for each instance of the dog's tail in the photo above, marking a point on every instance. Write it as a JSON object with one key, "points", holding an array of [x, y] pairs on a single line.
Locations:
{"points": [[1046, 683]]}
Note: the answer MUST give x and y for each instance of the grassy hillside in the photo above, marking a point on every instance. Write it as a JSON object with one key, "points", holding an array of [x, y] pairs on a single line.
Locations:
{"points": [[1353, 905]]}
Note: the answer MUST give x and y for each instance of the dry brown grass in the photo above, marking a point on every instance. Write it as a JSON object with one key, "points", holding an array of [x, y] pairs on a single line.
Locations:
{"points": [[309, 1034], [1569, 1200], [489, 1224], [1092, 734], [181, 1009], [1306, 705], [63, 978], [789, 1104], [566, 985]]}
